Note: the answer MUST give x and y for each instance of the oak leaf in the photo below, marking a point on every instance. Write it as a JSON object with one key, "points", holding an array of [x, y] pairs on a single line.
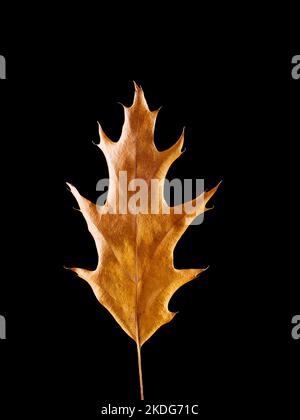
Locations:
{"points": [[135, 276]]}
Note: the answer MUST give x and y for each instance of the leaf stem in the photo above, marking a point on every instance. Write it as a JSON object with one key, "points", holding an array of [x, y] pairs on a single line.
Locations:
{"points": [[140, 371]]}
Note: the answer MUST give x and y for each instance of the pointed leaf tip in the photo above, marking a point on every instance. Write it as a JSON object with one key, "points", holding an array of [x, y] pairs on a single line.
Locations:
{"points": [[136, 86], [69, 186], [103, 137]]}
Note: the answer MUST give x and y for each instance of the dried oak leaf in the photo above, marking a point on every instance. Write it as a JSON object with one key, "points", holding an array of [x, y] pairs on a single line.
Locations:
{"points": [[135, 276]]}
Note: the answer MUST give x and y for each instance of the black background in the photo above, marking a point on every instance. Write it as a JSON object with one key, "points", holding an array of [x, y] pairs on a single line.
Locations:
{"points": [[230, 346]]}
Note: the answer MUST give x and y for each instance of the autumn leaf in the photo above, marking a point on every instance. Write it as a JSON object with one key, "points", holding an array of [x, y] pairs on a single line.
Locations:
{"points": [[135, 276]]}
